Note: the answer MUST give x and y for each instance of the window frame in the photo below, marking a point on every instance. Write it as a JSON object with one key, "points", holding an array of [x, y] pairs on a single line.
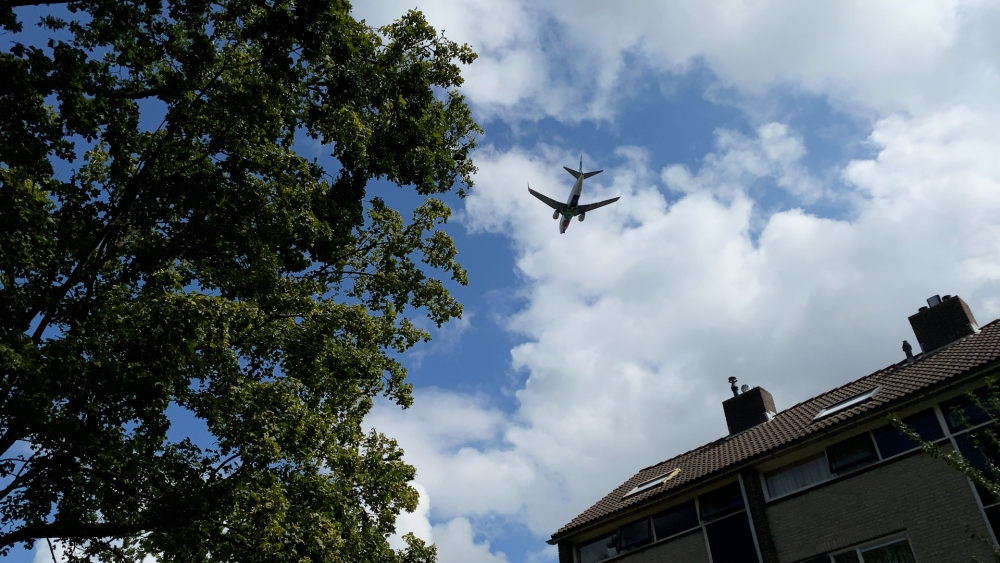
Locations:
{"points": [[700, 526], [847, 403], [655, 481], [879, 459], [861, 548]]}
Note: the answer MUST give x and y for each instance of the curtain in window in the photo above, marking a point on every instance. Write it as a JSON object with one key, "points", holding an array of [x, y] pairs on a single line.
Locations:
{"points": [[797, 476], [895, 553]]}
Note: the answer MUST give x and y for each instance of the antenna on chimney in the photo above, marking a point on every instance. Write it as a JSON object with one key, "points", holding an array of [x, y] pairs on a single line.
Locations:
{"points": [[736, 390], [908, 350]]}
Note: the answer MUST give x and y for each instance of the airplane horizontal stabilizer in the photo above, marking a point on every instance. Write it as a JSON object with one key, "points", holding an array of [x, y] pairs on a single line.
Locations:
{"points": [[589, 174], [589, 206], [571, 171], [558, 206]]}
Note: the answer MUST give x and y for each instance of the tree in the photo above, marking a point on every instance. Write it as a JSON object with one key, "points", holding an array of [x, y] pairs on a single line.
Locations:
{"points": [[165, 252]]}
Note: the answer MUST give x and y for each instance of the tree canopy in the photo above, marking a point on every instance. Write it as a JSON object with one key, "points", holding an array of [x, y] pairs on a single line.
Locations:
{"points": [[166, 252]]}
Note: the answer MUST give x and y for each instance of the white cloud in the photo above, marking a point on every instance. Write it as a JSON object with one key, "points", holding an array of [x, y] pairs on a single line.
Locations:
{"points": [[44, 554], [567, 59], [455, 539], [456, 544], [635, 318], [773, 154], [417, 522]]}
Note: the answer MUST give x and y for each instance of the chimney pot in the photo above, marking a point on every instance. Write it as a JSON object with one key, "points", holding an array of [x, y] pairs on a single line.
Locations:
{"points": [[732, 385], [933, 300], [944, 322], [748, 409]]}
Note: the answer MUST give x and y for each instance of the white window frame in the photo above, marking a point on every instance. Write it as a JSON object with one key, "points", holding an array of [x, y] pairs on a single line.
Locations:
{"points": [[655, 481]]}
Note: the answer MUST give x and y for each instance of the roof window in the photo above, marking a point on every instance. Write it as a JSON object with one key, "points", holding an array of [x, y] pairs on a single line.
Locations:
{"points": [[846, 403], [654, 482]]}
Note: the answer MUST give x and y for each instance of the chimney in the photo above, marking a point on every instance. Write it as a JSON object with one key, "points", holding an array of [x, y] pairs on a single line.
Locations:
{"points": [[943, 321], [748, 409]]}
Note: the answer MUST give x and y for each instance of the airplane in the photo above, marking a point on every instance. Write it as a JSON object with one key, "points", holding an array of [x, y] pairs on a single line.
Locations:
{"points": [[572, 208]]}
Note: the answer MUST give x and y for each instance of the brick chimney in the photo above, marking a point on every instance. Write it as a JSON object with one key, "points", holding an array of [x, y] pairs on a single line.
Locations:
{"points": [[747, 409], [943, 321]]}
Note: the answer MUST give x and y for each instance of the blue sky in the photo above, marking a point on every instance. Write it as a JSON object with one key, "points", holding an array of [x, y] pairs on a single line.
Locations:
{"points": [[796, 179]]}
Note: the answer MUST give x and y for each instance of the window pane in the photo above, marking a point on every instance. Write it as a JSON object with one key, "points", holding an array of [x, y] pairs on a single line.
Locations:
{"points": [[984, 456], [993, 516], [891, 441], [898, 552], [675, 520], [635, 534], [852, 453], [721, 501], [731, 540], [848, 557], [797, 476], [600, 549], [959, 407]]}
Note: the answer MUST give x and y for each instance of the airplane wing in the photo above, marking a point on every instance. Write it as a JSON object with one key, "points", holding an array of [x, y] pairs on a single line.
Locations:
{"points": [[558, 206], [589, 206]]}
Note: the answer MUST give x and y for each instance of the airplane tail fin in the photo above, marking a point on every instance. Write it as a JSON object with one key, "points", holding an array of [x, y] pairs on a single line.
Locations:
{"points": [[571, 171]]}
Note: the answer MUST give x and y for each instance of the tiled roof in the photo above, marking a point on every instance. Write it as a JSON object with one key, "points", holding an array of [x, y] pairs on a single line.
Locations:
{"points": [[792, 424]]}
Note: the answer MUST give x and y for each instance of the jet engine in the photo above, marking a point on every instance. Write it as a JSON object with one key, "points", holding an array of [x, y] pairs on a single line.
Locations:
{"points": [[580, 217], [555, 214]]}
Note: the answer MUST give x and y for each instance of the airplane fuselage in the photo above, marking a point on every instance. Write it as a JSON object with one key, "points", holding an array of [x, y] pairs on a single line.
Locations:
{"points": [[573, 203]]}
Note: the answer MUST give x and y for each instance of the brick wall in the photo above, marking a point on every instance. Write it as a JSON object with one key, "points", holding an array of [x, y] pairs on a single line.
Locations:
{"points": [[685, 549], [930, 501]]}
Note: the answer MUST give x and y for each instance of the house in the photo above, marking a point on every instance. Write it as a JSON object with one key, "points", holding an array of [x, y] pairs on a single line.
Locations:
{"points": [[826, 480]]}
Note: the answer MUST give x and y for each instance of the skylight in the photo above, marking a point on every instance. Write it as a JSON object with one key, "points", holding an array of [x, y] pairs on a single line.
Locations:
{"points": [[654, 482], [846, 403]]}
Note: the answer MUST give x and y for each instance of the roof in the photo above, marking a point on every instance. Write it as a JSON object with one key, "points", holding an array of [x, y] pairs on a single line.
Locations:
{"points": [[796, 423]]}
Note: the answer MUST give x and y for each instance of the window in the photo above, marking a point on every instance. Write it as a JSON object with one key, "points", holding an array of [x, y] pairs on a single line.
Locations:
{"points": [[846, 403], [600, 549], [896, 551], [892, 442], [676, 520], [654, 482], [731, 540], [798, 475], [851, 453], [959, 408], [982, 454], [721, 501], [723, 517], [633, 535]]}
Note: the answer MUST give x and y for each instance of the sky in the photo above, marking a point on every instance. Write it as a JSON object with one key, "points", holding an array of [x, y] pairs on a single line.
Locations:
{"points": [[796, 178]]}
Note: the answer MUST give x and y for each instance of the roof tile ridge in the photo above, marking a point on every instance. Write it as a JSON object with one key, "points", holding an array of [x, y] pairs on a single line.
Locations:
{"points": [[898, 366], [676, 457]]}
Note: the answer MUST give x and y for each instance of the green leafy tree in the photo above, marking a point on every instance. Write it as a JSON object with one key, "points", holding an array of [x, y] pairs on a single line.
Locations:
{"points": [[166, 252]]}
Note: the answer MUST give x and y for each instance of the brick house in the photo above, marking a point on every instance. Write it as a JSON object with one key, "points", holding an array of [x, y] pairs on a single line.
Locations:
{"points": [[825, 480]]}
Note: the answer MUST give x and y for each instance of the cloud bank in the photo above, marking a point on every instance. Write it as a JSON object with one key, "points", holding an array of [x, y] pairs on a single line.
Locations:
{"points": [[633, 320]]}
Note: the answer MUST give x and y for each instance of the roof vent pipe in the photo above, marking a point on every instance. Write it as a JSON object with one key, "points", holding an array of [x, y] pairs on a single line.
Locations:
{"points": [[736, 390], [908, 350]]}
